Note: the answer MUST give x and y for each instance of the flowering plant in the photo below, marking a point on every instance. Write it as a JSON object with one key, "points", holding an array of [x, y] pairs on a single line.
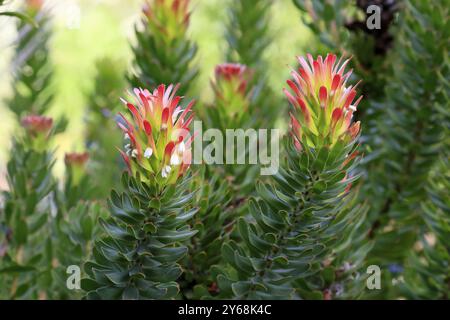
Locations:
{"points": [[38, 129], [322, 102], [157, 136]]}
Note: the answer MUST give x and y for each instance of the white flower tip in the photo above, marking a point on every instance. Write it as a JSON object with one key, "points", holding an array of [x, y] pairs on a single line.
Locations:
{"points": [[175, 160], [181, 147], [165, 171], [148, 153]]}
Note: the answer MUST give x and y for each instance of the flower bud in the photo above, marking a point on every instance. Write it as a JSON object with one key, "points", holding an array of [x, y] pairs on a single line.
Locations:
{"points": [[76, 164], [157, 135], [322, 102]]}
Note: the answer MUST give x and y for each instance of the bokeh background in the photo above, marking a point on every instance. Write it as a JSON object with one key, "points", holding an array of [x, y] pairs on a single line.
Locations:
{"points": [[86, 30]]}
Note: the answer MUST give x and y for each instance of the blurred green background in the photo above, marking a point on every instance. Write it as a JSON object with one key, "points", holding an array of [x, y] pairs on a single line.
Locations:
{"points": [[87, 30]]}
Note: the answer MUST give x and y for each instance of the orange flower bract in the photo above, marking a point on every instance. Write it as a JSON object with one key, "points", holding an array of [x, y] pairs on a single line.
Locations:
{"points": [[157, 134], [322, 101]]}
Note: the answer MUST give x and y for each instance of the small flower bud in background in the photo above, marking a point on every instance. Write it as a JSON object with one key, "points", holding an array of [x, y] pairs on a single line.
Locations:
{"points": [[157, 139], [34, 4], [168, 18], [38, 129], [231, 79], [36, 125], [76, 159], [230, 86], [76, 164]]}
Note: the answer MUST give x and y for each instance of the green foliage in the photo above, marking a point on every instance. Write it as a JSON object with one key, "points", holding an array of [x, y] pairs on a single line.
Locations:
{"points": [[163, 54], [308, 232], [247, 31], [427, 273], [18, 15], [297, 223], [213, 223], [32, 68], [413, 134], [26, 258], [137, 258], [45, 229], [74, 235], [102, 135], [78, 187], [235, 109], [248, 36]]}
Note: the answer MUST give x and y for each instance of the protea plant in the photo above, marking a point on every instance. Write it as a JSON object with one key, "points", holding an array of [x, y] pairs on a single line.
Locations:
{"points": [[167, 18], [144, 236], [248, 35], [163, 53], [26, 215], [305, 220], [322, 103], [38, 129], [76, 164], [232, 94], [16, 14], [219, 200], [78, 183], [158, 135]]}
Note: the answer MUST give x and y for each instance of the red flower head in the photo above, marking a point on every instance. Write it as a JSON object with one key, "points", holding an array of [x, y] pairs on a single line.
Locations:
{"points": [[76, 163], [37, 125], [169, 18], [322, 102], [158, 139], [38, 129], [35, 4], [76, 159], [230, 86], [231, 79]]}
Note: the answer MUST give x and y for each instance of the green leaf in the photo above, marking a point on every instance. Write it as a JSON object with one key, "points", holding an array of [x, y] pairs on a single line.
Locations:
{"points": [[328, 12], [155, 203], [130, 293], [20, 16], [17, 269], [21, 231]]}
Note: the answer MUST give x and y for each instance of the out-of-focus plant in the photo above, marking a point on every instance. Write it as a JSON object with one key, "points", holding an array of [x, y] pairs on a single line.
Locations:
{"points": [[242, 100], [163, 52], [220, 201], [213, 223], [233, 107], [78, 185], [44, 229], [31, 66], [74, 235], [304, 218], [26, 252], [232, 98], [137, 259], [16, 14], [413, 135], [75, 226], [248, 36], [427, 272], [102, 135]]}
